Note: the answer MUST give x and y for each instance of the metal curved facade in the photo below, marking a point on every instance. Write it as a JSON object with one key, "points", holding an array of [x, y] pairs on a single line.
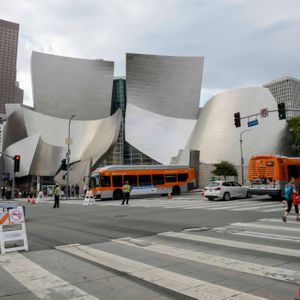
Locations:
{"points": [[63, 86], [218, 139], [163, 95], [42, 143]]}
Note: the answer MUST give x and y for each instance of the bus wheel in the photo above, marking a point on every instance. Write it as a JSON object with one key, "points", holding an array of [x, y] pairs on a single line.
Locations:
{"points": [[176, 190], [118, 194]]}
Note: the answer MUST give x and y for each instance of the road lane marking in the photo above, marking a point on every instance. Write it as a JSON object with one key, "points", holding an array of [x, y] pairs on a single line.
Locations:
{"points": [[214, 260], [182, 284], [39, 281], [233, 244]]}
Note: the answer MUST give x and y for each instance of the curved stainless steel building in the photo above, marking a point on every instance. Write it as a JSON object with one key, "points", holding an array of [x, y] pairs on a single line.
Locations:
{"points": [[163, 95], [40, 140], [217, 138], [63, 86]]}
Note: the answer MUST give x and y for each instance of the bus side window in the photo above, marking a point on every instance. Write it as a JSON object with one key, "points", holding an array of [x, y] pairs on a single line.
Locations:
{"points": [[182, 177], [144, 180], [132, 179], [117, 181], [105, 181], [158, 179], [293, 171], [171, 177]]}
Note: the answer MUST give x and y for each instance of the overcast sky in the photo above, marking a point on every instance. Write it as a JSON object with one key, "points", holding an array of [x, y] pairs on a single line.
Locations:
{"points": [[244, 42]]}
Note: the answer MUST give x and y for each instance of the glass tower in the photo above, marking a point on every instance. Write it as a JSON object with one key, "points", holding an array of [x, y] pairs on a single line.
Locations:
{"points": [[123, 153]]}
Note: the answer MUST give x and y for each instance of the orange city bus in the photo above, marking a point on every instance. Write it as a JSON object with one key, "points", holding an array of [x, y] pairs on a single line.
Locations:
{"points": [[268, 174], [107, 182]]}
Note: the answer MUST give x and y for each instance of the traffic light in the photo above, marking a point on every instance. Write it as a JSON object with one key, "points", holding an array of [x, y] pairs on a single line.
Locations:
{"points": [[281, 111], [63, 164], [237, 119], [17, 159]]}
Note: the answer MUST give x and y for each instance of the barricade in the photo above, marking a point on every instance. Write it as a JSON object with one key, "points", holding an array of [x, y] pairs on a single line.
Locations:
{"points": [[12, 230], [89, 198]]}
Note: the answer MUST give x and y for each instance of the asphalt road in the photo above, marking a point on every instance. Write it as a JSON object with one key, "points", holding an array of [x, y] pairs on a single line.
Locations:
{"points": [[117, 242]]}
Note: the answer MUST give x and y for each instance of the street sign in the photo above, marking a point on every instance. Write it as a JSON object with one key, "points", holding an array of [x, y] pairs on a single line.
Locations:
{"points": [[252, 123], [264, 112]]}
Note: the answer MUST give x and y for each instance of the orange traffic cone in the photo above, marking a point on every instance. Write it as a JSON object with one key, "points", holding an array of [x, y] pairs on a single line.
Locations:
{"points": [[28, 199], [170, 196], [33, 201]]}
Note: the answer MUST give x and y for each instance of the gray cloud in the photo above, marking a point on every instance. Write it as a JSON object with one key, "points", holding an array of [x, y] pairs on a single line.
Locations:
{"points": [[244, 43]]}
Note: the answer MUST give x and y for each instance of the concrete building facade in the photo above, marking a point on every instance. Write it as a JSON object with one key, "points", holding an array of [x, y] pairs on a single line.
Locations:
{"points": [[286, 90], [9, 90]]}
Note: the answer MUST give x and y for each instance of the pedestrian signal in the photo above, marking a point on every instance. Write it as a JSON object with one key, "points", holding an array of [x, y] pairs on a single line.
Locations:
{"points": [[237, 119]]}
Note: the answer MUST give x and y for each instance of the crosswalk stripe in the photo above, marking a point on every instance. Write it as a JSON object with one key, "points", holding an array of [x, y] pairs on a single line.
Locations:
{"points": [[273, 209], [272, 220], [39, 281], [269, 236], [182, 284], [219, 261], [259, 207], [265, 226], [232, 243], [240, 205]]}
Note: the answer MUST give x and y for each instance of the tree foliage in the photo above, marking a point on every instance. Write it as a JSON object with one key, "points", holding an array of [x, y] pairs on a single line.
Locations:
{"points": [[294, 128], [224, 168]]}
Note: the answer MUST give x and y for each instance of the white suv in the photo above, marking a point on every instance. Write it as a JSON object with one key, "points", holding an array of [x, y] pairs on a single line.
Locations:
{"points": [[226, 190]]}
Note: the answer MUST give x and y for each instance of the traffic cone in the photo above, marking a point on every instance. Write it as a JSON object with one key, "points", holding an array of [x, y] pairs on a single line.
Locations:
{"points": [[28, 199], [170, 196], [33, 201]]}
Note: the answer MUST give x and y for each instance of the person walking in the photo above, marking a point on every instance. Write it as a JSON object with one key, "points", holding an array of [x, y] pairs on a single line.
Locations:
{"points": [[57, 192], [126, 192], [290, 188]]}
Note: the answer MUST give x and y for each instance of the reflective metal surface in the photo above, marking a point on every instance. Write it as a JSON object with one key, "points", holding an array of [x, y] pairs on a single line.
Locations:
{"points": [[63, 86], [218, 139], [41, 141], [162, 103]]}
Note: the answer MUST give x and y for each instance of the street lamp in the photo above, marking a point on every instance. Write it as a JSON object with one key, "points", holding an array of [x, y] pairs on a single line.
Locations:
{"points": [[68, 154], [242, 158]]}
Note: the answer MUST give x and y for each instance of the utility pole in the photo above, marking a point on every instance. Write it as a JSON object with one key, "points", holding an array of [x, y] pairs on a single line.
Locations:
{"points": [[242, 158], [68, 155]]}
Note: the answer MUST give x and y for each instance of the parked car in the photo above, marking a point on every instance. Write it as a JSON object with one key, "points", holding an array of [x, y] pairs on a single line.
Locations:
{"points": [[226, 190]]}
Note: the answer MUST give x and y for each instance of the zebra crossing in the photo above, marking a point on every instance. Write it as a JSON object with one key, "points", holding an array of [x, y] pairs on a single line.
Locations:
{"points": [[249, 260], [202, 203]]}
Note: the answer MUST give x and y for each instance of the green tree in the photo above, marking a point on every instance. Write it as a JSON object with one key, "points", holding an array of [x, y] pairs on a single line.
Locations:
{"points": [[294, 128], [224, 168]]}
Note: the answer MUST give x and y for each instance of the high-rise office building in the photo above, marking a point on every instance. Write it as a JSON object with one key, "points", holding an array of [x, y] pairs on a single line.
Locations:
{"points": [[287, 90], [9, 90]]}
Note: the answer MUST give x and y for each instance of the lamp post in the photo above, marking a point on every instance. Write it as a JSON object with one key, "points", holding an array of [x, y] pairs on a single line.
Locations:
{"points": [[68, 154], [242, 158]]}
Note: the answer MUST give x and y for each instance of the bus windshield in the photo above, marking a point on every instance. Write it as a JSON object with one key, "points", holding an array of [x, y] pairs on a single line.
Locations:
{"points": [[94, 180]]}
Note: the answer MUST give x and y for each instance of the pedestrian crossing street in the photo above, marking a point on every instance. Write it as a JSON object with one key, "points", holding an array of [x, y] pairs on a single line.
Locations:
{"points": [[254, 260]]}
